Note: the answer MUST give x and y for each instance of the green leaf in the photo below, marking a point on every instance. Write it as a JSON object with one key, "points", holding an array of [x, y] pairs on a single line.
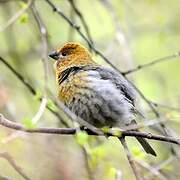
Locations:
{"points": [[111, 171], [23, 4], [116, 132], [105, 129], [99, 151], [28, 123], [97, 155], [82, 138], [51, 105], [138, 152], [24, 18]]}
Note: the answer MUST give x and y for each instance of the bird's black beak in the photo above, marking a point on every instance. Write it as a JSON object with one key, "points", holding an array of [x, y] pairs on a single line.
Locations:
{"points": [[54, 55]]}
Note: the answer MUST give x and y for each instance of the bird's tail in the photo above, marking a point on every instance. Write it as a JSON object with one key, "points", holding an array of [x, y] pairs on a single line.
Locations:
{"points": [[146, 146]]}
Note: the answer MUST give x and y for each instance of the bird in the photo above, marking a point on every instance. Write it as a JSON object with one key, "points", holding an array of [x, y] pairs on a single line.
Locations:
{"points": [[96, 93]]}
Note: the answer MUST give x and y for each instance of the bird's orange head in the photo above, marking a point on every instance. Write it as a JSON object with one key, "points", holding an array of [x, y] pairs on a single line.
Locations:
{"points": [[69, 55]]}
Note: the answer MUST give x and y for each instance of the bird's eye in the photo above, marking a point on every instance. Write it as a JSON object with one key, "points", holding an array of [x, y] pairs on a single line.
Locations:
{"points": [[64, 54]]}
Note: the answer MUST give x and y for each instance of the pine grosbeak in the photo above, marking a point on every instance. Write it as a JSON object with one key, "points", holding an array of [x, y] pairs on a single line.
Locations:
{"points": [[98, 94]]}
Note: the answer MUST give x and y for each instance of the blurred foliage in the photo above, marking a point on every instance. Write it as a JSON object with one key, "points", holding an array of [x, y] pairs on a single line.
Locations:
{"points": [[128, 33]]}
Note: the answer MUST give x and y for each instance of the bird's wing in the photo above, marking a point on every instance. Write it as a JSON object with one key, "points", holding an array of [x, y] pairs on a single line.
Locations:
{"points": [[121, 83]]}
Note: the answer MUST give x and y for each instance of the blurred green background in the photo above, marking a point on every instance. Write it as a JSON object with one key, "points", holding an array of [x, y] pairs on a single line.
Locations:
{"points": [[128, 33]]}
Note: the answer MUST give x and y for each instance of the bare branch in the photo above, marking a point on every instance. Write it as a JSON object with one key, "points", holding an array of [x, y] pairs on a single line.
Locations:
{"points": [[130, 159], [43, 33], [162, 165], [86, 160], [40, 112], [165, 129], [165, 106], [7, 1], [13, 163], [71, 30], [120, 36], [17, 15], [70, 131], [4, 177], [152, 170], [29, 87], [81, 17], [19, 76], [160, 60]]}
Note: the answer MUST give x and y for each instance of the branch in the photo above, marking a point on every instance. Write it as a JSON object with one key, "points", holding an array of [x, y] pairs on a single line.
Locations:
{"points": [[17, 15], [43, 34], [7, 1], [165, 106], [86, 161], [81, 17], [29, 87], [71, 30], [13, 163], [71, 131], [19, 76], [153, 171], [165, 129], [77, 28], [130, 159], [140, 67]]}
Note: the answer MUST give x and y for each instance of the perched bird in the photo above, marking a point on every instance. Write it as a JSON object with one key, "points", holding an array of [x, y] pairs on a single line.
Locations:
{"points": [[98, 94]]}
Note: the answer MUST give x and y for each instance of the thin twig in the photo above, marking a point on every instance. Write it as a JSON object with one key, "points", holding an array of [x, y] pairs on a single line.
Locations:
{"points": [[162, 165], [17, 15], [19, 76], [29, 87], [118, 175], [81, 17], [147, 123], [152, 170], [40, 112], [86, 160], [71, 30], [165, 106], [156, 61], [7, 1], [120, 35], [130, 159], [43, 33], [154, 110], [75, 118], [13, 163], [4, 177]]}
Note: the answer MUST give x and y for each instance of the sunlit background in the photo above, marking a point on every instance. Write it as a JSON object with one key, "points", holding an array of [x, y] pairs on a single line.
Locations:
{"points": [[129, 33]]}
